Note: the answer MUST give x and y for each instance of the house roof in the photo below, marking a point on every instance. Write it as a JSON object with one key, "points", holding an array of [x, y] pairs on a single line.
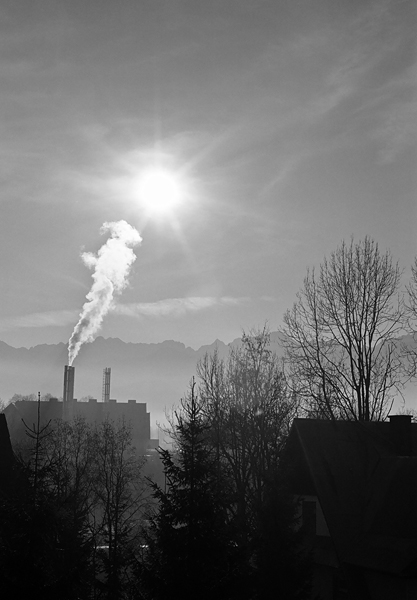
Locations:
{"points": [[6, 452], [367, 491], [7, 458]]}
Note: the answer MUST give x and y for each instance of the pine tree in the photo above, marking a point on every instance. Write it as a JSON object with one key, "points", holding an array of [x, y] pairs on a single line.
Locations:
{"points": [[189, 543]]}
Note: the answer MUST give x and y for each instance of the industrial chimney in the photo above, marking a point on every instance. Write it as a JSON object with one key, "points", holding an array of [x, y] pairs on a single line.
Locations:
{"points": [[68, 395], [106, 384]]}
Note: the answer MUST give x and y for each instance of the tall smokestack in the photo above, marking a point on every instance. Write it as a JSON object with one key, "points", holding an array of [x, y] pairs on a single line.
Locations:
{"points": [[68, 395], [106, 384]]}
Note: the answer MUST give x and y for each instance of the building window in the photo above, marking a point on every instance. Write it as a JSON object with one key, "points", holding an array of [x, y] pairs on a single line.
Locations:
{"points": [[309, 516]]}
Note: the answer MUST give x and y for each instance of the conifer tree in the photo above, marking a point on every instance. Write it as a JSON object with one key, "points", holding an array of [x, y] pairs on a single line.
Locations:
{"points": [[189, 542]]}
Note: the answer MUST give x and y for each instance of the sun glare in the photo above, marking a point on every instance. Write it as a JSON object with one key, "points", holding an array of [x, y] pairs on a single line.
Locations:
{"points": [[160, 191]]}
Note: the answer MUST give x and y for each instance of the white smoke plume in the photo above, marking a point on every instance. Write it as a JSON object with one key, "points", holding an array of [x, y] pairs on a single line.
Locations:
{"points": [[111, 269]]}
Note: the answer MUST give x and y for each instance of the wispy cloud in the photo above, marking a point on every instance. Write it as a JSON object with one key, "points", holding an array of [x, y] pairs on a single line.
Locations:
{"points": [[176, 307], [376, 72], [172, 307], [396, 115], [53, 318], [344, 82], [268, 298], [398, 132]]}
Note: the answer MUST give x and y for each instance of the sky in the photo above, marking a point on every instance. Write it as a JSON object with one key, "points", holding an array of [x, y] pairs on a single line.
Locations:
{"points": [[288, 125]]}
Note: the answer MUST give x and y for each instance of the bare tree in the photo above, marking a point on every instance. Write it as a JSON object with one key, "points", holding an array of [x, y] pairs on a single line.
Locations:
{"points": [[341, 336], [119, 501], [70, 454], [412, 293], [250, 409], [94, 473], [225, 516], [17, 397], [411, 311]]}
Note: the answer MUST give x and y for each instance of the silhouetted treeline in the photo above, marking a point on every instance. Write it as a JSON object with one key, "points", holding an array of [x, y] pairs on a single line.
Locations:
{"points": [[80, 521], [70, 517], [226, 526]]}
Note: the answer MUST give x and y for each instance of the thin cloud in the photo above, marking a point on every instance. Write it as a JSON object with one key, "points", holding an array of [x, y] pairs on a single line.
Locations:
{"points": [[396, 115], [176, 307], [320, 80], [268, 298], [53, 318], [398, 132]]}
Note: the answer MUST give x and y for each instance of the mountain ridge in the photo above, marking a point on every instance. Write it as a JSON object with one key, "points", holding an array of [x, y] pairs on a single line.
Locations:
{"points": [[156, 373]]}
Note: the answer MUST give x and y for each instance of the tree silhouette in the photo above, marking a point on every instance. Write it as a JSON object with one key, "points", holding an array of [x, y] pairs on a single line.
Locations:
{"points": [[42, 551], [119, 502], [249, 410], [342, 355], [190, 551]]}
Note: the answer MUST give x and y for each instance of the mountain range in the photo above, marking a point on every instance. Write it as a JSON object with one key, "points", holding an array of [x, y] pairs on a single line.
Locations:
{"points": [[158, 374]]}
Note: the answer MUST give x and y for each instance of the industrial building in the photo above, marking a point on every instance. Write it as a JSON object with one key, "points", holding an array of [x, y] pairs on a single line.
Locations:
{"points": [[131, 412]]}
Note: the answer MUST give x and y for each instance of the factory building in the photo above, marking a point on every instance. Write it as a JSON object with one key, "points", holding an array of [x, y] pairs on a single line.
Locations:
{"points": [[131, 412]]}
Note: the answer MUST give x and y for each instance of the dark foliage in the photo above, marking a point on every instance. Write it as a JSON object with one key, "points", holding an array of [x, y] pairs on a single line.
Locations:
{"points": [[197, 545], [190, 547], [282, 565], [70, 513], [42, 550]]}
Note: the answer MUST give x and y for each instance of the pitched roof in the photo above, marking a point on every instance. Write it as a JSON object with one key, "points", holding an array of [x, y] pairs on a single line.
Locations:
{"points": [[7, 458], [368, 492], [6, 452]]}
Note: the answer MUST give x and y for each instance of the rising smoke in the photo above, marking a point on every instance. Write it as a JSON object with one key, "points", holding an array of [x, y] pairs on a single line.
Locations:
{"points": [[111, 269]]}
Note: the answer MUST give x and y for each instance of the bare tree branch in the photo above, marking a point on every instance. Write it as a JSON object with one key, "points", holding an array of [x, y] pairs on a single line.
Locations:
{"points": [[342, 355]]}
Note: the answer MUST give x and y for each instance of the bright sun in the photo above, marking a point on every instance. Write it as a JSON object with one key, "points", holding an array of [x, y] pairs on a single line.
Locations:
{"points": [[160, 191]]}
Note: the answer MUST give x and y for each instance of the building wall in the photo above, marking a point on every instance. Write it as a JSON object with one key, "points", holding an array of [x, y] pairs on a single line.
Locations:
{"points": [[132, 412]]}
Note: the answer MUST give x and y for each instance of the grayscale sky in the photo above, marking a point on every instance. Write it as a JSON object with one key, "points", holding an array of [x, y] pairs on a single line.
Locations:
{"points": [[291, 125]]}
